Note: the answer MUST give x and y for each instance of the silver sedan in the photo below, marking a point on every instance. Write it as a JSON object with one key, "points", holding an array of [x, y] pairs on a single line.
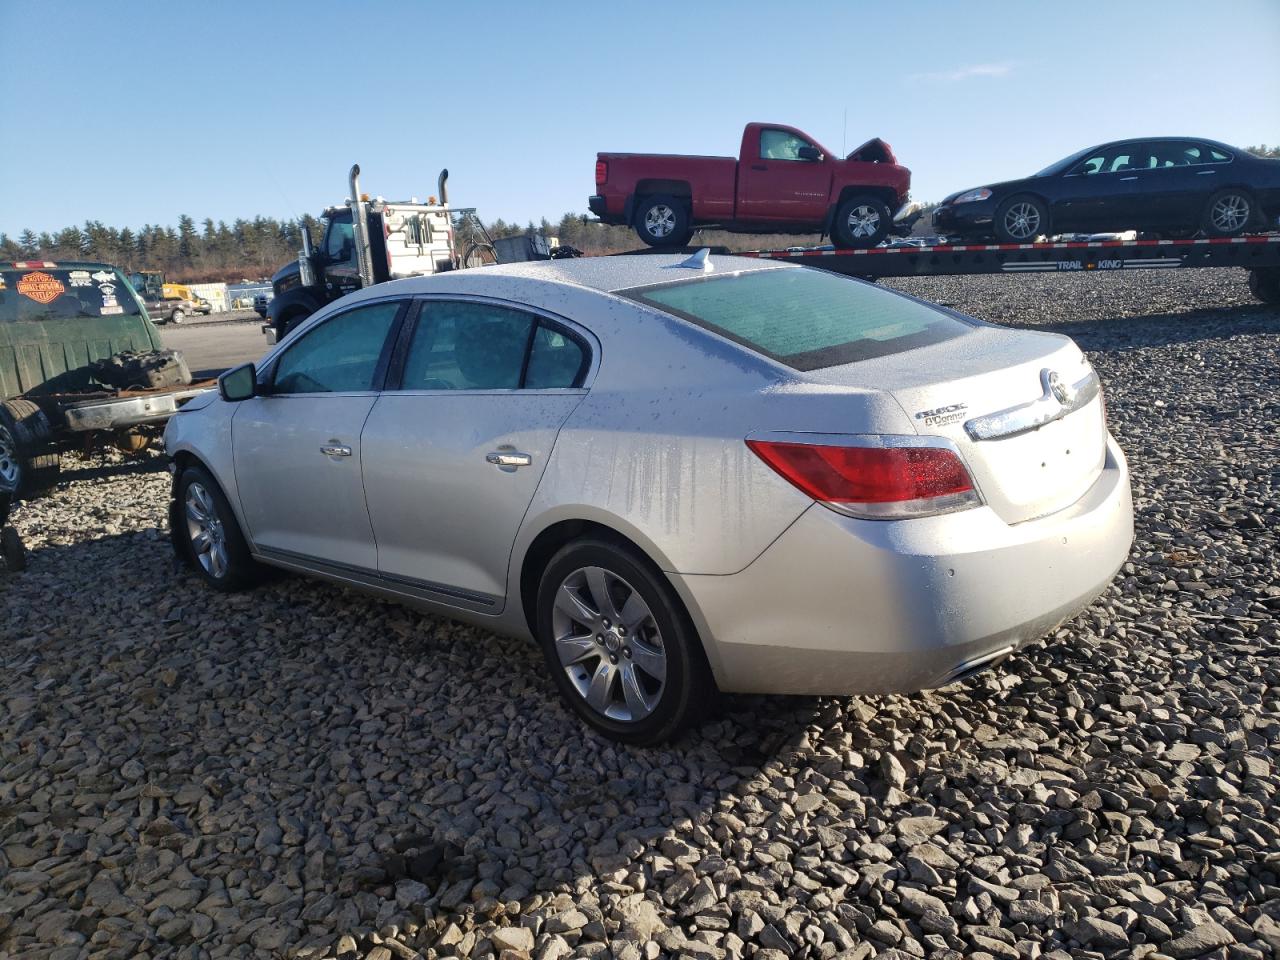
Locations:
{"points": [[676, 476]]}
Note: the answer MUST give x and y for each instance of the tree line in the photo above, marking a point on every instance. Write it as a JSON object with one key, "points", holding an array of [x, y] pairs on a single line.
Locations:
{"points": [[254, 249]]}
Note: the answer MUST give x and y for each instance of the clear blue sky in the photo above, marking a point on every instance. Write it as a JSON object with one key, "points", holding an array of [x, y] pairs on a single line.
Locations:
{"points": [[277, 99]]}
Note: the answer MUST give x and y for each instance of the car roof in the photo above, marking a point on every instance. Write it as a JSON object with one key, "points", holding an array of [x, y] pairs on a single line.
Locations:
{"points": [[611, 274], [1116, 143]]}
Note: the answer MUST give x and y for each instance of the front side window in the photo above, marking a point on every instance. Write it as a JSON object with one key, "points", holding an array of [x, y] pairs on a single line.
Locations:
{"points": [[340, 355], [806, 319], [781, 145]]}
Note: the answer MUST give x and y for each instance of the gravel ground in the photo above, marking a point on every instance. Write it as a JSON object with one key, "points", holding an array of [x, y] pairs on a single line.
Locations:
{"points": [[301, 771]]}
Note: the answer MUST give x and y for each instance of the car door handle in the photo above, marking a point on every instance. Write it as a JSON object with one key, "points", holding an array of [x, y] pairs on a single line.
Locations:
{"points": [[1205, 173], [500, 458], [335, 450], [1128, 178], [759, 166]]}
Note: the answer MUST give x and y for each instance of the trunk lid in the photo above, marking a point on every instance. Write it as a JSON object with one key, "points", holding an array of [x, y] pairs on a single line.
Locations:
{"points": [[991, 393]]}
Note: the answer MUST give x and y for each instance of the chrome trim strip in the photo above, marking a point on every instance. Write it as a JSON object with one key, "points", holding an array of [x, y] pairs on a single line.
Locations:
{"points": [[1057, 401]]}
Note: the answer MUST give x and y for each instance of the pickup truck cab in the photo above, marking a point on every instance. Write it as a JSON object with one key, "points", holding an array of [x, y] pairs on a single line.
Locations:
{"points": [[782, 181]]}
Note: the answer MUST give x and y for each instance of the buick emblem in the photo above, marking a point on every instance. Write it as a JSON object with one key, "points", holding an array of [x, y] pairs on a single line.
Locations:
{"points": [[1059, 388]]}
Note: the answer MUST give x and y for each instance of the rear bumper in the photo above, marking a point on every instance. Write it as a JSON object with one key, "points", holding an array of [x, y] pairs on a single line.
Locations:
{"points": [[600, 207], [843, 606]]}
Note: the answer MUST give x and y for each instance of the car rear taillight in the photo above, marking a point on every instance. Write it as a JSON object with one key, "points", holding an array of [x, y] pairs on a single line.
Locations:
{"points": [[602, 171], [874, 478]]}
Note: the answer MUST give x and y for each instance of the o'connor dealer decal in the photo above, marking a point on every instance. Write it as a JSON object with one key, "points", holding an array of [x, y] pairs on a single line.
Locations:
{"points": [[41, 287]]}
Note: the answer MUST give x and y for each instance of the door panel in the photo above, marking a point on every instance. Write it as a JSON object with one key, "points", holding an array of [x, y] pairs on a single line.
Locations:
{"points": [[777, 185], [295, 497], [442, 513]]}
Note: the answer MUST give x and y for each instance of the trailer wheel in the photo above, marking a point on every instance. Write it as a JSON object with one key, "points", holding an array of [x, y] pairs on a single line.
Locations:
{"points": [[29, 464], [861, 221], [12, 550], [1264, 283], [662, 221]]}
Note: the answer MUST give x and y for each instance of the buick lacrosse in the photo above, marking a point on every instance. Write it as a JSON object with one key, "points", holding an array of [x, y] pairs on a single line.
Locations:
{"points": [[676, 475]]}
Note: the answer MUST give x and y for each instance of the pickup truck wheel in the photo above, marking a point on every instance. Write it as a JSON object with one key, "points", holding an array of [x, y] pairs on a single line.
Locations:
{"points": [[861, 222], [29, 464], [206, 534], [662, 221], [177, 316]]}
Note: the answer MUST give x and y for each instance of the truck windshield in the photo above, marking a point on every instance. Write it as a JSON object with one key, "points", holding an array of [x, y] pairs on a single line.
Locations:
{"points": [[806, 319], [53, 293]]}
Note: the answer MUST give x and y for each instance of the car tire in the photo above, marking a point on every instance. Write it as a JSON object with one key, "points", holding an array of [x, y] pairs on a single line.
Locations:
{"points": [[177, 317], [643, 680], [1228, 213], [29, 464], [662, 221], [1264, 283], [1021, 219], [861, 221], [12, 550], [206, 534]]}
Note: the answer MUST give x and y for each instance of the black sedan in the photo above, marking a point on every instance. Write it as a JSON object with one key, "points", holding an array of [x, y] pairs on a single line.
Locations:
{"points": [[1174, 186]]}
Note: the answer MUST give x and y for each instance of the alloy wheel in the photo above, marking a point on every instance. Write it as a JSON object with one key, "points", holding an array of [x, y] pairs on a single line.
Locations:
{"points": [[660, 220], [609, 644], [864, 221], [10, 467], [208, 537], [1022, 220], [1230, 213]]}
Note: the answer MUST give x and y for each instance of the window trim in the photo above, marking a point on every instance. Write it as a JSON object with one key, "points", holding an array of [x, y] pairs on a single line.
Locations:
{"points": [[267, 380], [394, 382], [789, 133]]}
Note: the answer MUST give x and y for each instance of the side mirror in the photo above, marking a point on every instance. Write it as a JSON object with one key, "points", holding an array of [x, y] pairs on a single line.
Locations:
{"points": [[239, 383], [812, 154]]}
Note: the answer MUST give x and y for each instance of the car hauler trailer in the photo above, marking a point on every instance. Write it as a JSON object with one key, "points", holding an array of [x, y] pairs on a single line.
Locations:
{"points": [[1260, 255]]}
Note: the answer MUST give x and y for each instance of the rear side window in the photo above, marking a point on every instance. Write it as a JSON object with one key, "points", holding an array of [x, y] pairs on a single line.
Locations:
{"points": [[62, 293], [465, 345], [806, 319]]}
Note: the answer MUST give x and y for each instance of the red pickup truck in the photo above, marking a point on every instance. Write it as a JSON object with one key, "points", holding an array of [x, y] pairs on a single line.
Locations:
{"points": [[782, 181]]}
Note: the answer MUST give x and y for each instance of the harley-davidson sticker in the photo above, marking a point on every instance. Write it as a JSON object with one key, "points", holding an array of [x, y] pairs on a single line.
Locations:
{"points": [[41, 287]]}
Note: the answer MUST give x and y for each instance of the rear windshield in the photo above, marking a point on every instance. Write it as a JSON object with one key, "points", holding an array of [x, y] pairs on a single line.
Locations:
{"points": [[807, 319], [54, 293]]}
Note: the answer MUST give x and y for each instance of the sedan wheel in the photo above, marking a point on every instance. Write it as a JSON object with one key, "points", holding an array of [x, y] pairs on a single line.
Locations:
{"points": [[609, 644], [208, 537], [619, 644], [1229, 212], [1021, 220]]}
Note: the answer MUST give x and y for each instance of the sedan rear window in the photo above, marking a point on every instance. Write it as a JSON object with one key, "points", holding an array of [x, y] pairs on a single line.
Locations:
{"points": [[806, 319]]}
